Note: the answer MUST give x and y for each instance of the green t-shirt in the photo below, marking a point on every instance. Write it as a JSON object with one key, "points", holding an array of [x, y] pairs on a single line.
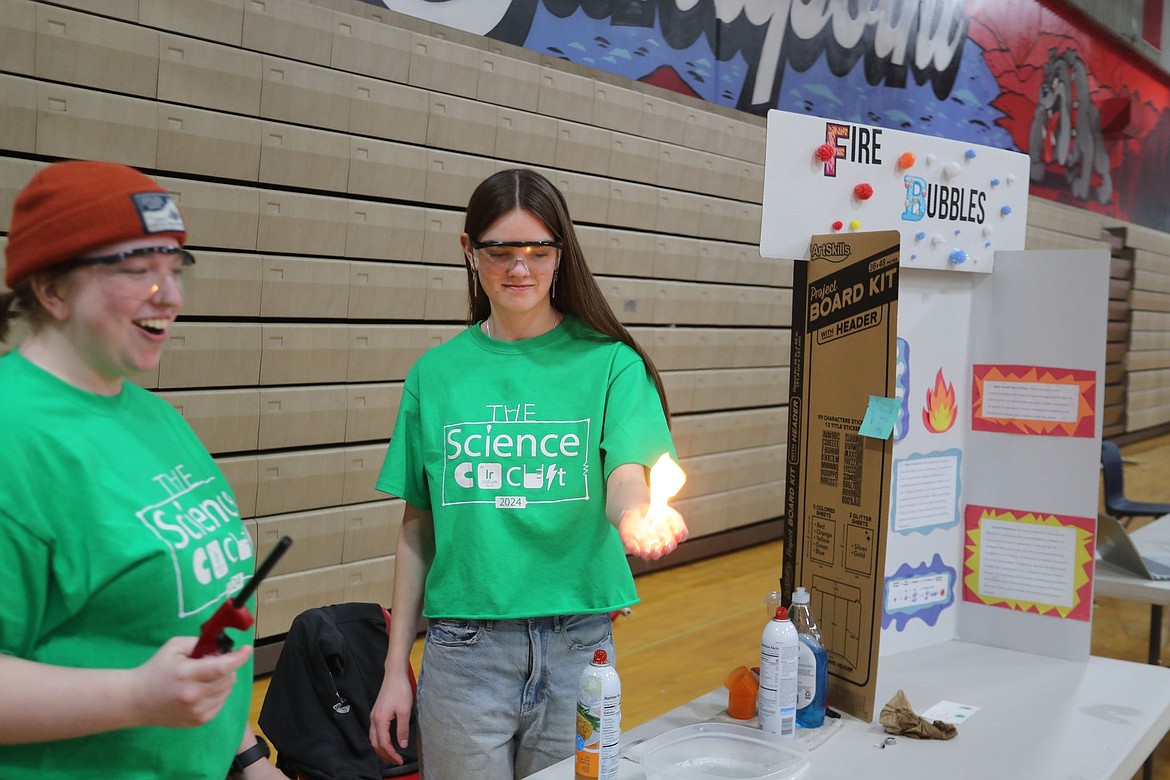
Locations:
{"points": [[509, 444], [117, 532]]}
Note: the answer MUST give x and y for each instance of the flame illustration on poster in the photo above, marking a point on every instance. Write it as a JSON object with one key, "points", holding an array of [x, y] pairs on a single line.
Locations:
{"points": [[940, 411]]}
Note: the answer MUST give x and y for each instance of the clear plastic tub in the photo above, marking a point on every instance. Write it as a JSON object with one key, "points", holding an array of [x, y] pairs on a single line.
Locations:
{"points": [[706, 751]]}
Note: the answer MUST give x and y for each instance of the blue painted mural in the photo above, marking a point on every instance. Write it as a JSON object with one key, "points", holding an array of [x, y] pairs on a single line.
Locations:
{"points": [[1011, 74]]}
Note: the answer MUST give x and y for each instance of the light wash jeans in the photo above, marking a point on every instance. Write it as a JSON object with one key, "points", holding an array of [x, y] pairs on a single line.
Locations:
{"points": [[497, 699]]}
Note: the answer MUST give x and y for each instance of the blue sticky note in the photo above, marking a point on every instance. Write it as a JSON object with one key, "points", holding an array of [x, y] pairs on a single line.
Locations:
{"points": [[880, 416]]}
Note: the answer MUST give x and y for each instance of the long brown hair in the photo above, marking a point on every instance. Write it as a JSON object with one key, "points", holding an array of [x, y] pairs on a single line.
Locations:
{"points": [[576, 291]]}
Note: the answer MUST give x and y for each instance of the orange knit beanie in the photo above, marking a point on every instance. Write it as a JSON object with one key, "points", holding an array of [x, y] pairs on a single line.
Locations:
{"points": [[70, 208]]}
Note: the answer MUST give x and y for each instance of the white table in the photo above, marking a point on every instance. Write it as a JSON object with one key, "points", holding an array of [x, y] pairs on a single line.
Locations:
{"points": [[1116, 582], [1039, 717]]}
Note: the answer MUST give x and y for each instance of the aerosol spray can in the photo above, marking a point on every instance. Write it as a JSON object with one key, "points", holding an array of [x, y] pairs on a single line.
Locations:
{"points": [[599, 720], [779, 651]]}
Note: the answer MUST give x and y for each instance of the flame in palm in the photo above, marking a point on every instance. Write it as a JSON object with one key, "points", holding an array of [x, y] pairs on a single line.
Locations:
{"points": [[940, 411], [666, 479]]}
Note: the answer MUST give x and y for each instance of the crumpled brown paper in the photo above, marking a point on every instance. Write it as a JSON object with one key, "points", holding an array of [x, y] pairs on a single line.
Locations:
{"points": [[898, 717]]}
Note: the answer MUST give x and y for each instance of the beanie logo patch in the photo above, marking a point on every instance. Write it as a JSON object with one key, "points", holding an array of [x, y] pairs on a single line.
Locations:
{"points": [[158, 212]]}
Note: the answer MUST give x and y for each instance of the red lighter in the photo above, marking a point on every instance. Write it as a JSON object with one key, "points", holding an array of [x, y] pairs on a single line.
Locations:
{"points": [[234, 613]]}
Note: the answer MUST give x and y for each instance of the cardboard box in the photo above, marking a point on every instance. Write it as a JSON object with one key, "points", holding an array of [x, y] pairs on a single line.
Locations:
{"points": [[369, 48], [297, 354], [79, 123], [206, 354], [371, 529], [300, 287], [295, 481], [371, 411], [208, 143], [384, 169], [85, 50], [303, 157], [301, 416], [224, 78], [224, 420]]}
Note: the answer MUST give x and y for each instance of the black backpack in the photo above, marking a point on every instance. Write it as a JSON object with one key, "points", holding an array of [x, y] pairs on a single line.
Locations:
{"points": [[317, 709]]}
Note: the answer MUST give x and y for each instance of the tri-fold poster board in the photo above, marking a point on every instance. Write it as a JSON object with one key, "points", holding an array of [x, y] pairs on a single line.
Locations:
{"points": [[945, 403]]}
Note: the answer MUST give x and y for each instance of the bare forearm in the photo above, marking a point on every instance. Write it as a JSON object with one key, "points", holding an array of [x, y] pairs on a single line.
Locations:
{"points": [[412, 562], [626, 489], [42, 703]]}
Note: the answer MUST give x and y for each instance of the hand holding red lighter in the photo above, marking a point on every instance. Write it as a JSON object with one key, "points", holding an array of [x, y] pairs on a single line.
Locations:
{"points": [[234, 613]]}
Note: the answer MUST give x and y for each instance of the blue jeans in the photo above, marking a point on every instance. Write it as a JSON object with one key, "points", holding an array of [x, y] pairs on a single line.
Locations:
{"points": [[497, 699]]}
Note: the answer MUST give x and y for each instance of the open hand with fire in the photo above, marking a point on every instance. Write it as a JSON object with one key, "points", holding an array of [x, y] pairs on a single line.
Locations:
{"points": [[653, 530]]}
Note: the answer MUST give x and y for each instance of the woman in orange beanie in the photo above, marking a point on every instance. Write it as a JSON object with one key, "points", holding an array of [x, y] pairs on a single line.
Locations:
{"points": [[115, 521]]}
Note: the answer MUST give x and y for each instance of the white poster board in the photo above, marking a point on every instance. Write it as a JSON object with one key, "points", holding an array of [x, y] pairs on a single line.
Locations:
{"points": [[1000, 375], [955, 204]]}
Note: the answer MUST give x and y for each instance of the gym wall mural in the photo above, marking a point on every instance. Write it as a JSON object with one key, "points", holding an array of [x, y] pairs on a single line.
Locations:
{"points": [[1029, 75]]}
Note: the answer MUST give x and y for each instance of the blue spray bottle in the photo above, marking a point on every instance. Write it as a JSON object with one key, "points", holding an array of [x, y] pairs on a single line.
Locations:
{"points": [[812, 667]]}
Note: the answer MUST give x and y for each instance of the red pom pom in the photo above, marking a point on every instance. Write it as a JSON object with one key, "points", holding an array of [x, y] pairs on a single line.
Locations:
{"points": [[838, 225], [826, 152], [863, 191]]}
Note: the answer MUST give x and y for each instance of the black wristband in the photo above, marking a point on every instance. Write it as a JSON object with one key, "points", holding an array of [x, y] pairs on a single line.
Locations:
{"points": [[250, 756]]}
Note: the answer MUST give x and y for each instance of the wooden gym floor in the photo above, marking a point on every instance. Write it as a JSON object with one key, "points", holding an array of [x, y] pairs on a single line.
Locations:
{"points": [[700, 620]]}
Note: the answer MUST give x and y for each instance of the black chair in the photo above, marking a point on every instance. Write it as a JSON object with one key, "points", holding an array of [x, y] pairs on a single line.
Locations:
{"points": [[1116, 503]]}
